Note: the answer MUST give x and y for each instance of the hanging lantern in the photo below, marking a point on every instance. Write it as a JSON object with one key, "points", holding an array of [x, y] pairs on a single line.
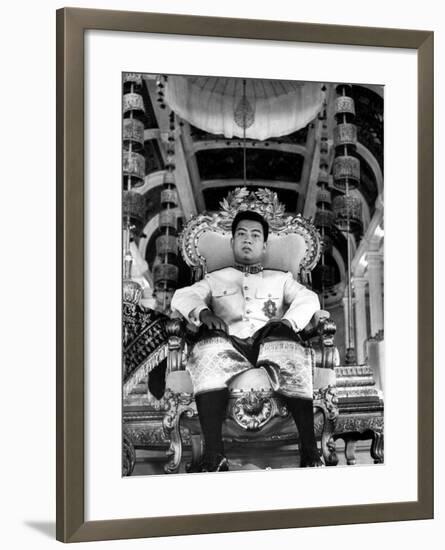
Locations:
{"points": [[323, 179], [169, 197], [134, 209], [133, 78], [344, 105], [133, 165], [170, 156], [166, 273], [133, 134], [324, 218], [166, 244], [346, 171], [133, 102], [324, 148], [323, 197], [167, 218], [345, 134], [169, 178], [348, 213], [326, 243]]}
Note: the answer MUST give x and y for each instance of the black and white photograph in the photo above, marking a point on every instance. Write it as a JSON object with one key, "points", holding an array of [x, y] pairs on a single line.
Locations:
{"points": [[252, 268], [223, 274]]}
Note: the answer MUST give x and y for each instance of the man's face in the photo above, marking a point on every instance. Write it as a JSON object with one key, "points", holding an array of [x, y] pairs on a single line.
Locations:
{"points": [[248, 242]]}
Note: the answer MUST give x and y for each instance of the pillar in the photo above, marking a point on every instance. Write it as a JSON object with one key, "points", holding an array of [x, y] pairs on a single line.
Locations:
{"points": [[350, 357], [361, 333], [375, 281]]}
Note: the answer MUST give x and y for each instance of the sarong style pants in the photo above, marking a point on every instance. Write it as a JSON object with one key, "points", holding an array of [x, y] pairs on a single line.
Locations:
{"points": [[217, 358]]}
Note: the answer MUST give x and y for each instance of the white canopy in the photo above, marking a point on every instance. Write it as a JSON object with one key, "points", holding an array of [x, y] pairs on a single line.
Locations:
{"points": [[272, 108]]}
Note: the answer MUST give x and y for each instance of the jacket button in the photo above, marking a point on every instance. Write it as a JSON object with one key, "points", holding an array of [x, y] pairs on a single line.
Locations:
{"points": [[248, 311]]}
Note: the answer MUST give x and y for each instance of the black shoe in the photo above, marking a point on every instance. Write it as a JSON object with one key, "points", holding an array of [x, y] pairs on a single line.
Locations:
{"points": [[210, 463], [311, 459], [215, 463]]}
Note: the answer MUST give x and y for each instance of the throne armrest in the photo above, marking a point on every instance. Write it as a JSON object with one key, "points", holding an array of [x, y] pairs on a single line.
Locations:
{"points": [[321, 330], [175, 329]]}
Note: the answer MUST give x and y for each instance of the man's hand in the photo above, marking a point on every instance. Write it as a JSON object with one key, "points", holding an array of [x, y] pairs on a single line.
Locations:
{"points": [[211, 321]]}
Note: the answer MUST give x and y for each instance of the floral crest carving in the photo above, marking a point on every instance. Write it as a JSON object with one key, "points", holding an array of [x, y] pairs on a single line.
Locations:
{"points": [[263, 201]]}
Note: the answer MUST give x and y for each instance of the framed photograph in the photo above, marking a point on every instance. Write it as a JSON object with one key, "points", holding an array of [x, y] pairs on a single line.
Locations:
{"points": [[244, 317]]}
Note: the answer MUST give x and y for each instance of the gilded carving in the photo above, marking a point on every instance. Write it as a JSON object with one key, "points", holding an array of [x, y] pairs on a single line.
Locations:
{"points": [[179, 404], [128, 456], [252, 410], [359, 423]]}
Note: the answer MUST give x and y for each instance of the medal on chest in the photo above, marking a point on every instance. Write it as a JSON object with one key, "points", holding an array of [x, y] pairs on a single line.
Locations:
{"points": [[270, 308]]}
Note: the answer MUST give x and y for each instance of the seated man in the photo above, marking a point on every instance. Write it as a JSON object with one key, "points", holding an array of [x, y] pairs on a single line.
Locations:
{"points": [[249, 317]]}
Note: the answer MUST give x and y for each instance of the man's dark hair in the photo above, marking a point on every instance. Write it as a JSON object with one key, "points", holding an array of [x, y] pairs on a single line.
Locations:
{"points": [[251, 215]]}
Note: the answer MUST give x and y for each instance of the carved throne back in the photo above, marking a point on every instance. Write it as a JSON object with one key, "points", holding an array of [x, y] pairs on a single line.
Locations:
{"points": [[293, 243]]}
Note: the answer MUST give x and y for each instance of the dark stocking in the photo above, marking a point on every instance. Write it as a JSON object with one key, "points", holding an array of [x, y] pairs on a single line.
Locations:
{"points": [[303, 414], [211, 411]]}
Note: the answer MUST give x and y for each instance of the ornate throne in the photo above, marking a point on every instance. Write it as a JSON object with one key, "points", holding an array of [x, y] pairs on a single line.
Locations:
{"points": [[255, 413]]}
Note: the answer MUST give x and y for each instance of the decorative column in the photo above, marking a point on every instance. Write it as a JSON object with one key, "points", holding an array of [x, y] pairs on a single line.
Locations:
{"points": [[133, 162], [346, 318], [348, 312], [165, 268], [361, 333], [324, 217], [375, 280], [376, 348], [346, 176]]}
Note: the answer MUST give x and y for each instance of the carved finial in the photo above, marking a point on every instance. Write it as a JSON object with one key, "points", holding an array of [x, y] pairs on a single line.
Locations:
{"points": [[174, 327]]}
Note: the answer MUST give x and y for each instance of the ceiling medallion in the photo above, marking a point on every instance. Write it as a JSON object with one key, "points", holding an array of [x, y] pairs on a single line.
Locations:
{"points": [[244, 113]]}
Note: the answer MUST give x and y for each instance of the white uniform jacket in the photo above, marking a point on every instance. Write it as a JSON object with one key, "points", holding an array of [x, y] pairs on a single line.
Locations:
{"points": [[247, 301]]}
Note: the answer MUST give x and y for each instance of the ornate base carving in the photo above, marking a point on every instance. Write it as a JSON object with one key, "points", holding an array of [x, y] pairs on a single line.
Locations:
{"points": [[252, 417], [254, 408], [128, 456], [377, 447], [326, 400], [197, 451], [371, 428], [361, 411], [180, 405]]}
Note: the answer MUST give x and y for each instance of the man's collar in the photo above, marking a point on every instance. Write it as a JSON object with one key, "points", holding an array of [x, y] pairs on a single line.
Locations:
{"points": [[253, 268]]}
